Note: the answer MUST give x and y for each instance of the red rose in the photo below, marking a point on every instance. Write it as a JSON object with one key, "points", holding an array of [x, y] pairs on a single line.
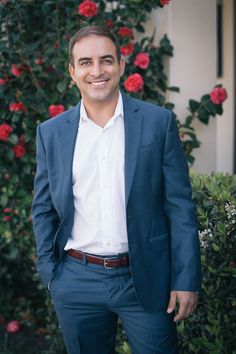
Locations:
{"points": [[16, 69], [142, 60], [55, 109], [39, 61], [17, 106], [164, 2], [127, 49], [88, 8], [13, 327], [134, 83], [5, 130], [56, 45], [218, 95], [109, 23], [126, 32], [2, 81], [6, 218], [19, 150], [7, 210]]}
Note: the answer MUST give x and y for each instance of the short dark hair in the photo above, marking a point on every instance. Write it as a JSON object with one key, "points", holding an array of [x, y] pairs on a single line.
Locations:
{"points": [[98, 31]]}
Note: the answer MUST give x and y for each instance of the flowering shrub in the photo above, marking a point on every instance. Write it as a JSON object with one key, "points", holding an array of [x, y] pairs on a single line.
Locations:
{"points": [[209, 106]]}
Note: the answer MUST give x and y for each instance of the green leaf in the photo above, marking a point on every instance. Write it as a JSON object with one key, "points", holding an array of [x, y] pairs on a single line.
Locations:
{"points": [[13, 254], [174, 88], [13, 139], [203, 116], [215, 247], [3, 200], [61, 86], [193, 105]]}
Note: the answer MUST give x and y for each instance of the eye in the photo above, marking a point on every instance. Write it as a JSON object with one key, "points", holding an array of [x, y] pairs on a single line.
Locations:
{"points": [[85, 63], [107, 61]]}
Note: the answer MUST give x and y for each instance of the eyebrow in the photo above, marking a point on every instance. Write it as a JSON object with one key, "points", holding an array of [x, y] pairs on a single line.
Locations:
{"points": [[108, 56]]}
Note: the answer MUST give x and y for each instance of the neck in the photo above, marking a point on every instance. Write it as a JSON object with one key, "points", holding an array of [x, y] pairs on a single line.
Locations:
{"points": [[101, 112]]}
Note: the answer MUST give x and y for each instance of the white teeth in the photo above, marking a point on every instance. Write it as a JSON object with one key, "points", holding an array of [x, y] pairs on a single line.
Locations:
{"points": [[98, 83]]}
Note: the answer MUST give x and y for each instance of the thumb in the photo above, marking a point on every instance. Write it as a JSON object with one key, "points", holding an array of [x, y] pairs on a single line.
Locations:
{"points": [[172, 302]]}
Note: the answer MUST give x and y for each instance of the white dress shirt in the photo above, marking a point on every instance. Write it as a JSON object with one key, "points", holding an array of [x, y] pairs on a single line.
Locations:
{"points": [[98, 186]]}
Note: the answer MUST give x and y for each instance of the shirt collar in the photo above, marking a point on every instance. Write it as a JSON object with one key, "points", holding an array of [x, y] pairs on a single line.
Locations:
{"points": [[119, 111]]}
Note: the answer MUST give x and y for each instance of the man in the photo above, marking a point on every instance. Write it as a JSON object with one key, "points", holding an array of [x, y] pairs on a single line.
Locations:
{"points": [[113, 216]]}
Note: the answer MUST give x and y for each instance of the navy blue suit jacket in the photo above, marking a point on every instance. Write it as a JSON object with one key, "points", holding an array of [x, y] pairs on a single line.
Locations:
{"points": [[161, 222]]}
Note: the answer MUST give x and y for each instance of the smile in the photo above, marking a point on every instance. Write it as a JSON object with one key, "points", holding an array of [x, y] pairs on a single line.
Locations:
{"points": [[98, 83]]}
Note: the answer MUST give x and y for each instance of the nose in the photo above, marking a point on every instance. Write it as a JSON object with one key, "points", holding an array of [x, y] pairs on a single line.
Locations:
{"points": [[96, 70]]}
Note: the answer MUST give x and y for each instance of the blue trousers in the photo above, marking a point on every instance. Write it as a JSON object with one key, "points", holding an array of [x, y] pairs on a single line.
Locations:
{"points": [[89, 299]]}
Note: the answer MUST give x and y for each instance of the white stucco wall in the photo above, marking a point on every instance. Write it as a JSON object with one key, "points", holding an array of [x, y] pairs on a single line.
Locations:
{"points": [[191, 27]]}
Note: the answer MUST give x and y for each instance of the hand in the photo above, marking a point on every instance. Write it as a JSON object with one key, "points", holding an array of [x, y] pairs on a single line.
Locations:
{"points": [[187, 301]]}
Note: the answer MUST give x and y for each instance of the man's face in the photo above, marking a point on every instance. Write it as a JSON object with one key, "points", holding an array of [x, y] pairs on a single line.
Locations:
{"points": [[96, 69]]}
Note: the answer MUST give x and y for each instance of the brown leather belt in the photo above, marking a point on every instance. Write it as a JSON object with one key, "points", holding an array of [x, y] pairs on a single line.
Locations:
{"points": [[106, 262]]}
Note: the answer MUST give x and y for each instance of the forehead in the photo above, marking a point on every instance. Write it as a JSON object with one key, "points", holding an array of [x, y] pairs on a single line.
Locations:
{"points": [[94, 46]]}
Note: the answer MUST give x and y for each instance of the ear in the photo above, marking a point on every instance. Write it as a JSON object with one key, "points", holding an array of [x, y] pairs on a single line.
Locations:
{"points": [[72, 71], [122, 66]]}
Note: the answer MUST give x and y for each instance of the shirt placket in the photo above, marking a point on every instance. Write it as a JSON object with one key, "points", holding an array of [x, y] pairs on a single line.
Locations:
{"points": [[104, 180]]}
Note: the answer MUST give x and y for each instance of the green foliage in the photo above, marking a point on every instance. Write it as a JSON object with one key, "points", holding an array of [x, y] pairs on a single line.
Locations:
{"points": [[33, 72], [212, 328]]}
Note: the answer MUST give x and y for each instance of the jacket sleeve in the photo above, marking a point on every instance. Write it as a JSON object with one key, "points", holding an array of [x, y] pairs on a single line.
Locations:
{"points": [[180, 211], [44, 216]]}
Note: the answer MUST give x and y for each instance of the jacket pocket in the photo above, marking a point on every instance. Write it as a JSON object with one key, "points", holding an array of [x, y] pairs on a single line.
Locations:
{"points": [[160, 242], [148, 147]]}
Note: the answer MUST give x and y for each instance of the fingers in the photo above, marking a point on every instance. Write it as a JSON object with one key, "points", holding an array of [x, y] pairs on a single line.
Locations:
{"points": [[187, 304], [183, 311], [172, 302]]}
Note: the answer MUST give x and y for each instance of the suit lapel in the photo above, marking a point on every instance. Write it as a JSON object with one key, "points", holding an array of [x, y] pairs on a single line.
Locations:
{"points": [[133, 128], [68, 135]]}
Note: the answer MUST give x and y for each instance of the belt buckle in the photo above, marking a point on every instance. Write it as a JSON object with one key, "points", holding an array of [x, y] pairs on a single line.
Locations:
{"points": [[105, 263]]}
